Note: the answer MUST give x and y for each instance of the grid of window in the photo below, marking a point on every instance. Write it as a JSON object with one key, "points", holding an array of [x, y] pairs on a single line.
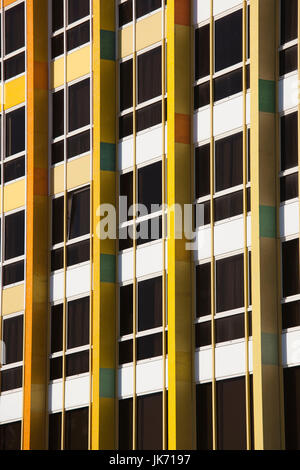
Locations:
{"points": [[288, 50], [75, 432], [143, 7]]}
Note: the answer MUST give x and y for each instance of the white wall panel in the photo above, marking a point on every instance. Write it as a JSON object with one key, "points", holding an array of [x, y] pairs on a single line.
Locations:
{"points": [[289, 219], [201, 10], [149, 376], [125, 270], [125, 149], [249, 224], [149, 145], [291, 348], [55, 397], [125, 381], [202, 125], [57, 287], [149, 259], [229, 236], [77, 391], [78, 280], [203, 244], [222, 5], [11, 406], [203, 365], [230, 360], [248, 107], [288, 92], [228, 115]]}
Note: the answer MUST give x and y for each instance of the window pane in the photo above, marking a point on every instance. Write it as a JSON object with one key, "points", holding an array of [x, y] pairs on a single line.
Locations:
{"points": [[15, 132], [79, 105], [14, 66], [288, 60], [149, 116], [204, 416], [228, 84], [203, 334], [56, 328], [125, 125], [202, 170], [231, 414], [11, 379], [10, 436], [229, 40], [125, 13], [202, 42], [77, 363], [202, 95], [288, 187], [150, 186], [289, 141], [229, 162], [78, 253], [290, 315], [149, 346], [78, 144], [228, 206], [79, 213], [149, 75], [230, 283], [14, 28], [126, 85], [14, 235], [125, 424], [230, 328], [203, 290], [289, 23], [13, 273], [78, 10], [125, 352], [291, 377], [56, 368], [57, 14], [149, 422], [55, 431], [148, 231], [126, 310], [57, 259], [146, 6], [57, 45], [126, 190], [78, 323], [58, 152], [78, 36], [14, 169], [58, 220], [77, 422], [13, 339], [150, 304], [58, 113], [290, 268]]}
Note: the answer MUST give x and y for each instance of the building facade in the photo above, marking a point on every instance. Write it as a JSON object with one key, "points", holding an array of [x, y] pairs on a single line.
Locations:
{"points": [[138, 334]]}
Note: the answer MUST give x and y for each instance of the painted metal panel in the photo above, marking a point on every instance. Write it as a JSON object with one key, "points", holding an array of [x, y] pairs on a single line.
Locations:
{"points": [[228, 115], [289, 219], [77, 391], [149, 259], [229, 236], [125, 381], [203, 365], [55, 397], [11, 406], [56, 287], [222, 5], [149, 376], [230, 360], [125, 266], [125, 150], [203, 244], [79, 280], [149, 145], [201, 10], [291, 348], [202, 125], [288, 92]]}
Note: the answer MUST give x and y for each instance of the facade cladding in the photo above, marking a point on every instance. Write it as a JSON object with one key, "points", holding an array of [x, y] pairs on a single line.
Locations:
{"points": [[141, 343]]}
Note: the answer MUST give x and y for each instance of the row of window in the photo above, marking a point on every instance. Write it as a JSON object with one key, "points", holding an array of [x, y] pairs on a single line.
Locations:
{"points": [[71, 9], [142, 7], [12, 353]]}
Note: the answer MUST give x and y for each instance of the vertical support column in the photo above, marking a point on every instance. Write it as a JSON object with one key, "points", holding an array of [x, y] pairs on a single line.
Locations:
{"points": [[35, 360], [104, 256], [180, 393], [266, 334]]}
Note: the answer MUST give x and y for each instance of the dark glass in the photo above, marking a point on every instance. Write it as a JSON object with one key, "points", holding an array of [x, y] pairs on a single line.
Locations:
{"points": [[126, 84], [125, 424], [228, 84], [57, 45], [77, 363], [58, 220], [14, 66], [14, 235], [149, 231], [125, 352], [231, 414], [10, 436], [57, 259], [78, 144], [77, 424], [289, 20], [125, 13], [249, 154], [289, 187], [78, 253], [149, 422], [79, 105], [230, 328], [150, 186], [77, 10], [288, 60], [15, 132], [247, 77], [203, 290], [290, 268], [78, 213], [202, 170], [54, 440], [230, 283], [78, 323], [289, 141], [229, 40], [126, 190], [229, 162], [202, 40], [56, 328], [204, 416], [149, 346], [201, 95], [202, 212], [125, 240], [126, 310], [14, 28], [149, 116], [11, 379], [149, 75], [291, 376], [13, 273], [203, 334], [14, 169], [150, 304], [290, 315], [57, 14], [125, 125], [228, 206], [13, 339], [146, 6], [58, 150], [58, 113], [78, 36], [56, 368]]}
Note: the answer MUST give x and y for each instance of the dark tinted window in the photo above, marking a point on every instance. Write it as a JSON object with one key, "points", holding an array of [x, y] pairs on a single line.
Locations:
{"points": [[14, 66], [289, 187], [202, 95], [149, 116], [228, 206], [202, 63], [126, 310], [126, 84], [58, 113], [56, 369], [78, 213], [57, 259], [149, 75], [15, 132], [230, 283], [125, 125], [202, 334], [228, 84], [288, 60], [203, 290], [10, 436], [146, 6], [13, 339], [204, 416], [150, 186], [289, 20], [78, 253], [289, 141], [150, 304], [229, 40], [230, 328], [77, 422], [14, 169], [13, 273], [14, 28], [56, 328], [202, 170], [291, 407], [126, 190], [125, 424], [149, 231], [149, 346], [55, 431], [78, 10], [290, 268], [125, 13], [11, 379], [79, 105], [57, 14], [57, 45], [77, 363], [14, 235], [58, 152], [290, 315], [125, 352], [78, 36], [149, 422], [78, 323], [57, 220], [201, 214], [229, 162], [78, 144]]}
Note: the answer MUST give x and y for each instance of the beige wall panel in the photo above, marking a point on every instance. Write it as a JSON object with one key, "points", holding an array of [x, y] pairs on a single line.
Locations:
{"points": [[78, 172], [14, 195], [13, 300]]}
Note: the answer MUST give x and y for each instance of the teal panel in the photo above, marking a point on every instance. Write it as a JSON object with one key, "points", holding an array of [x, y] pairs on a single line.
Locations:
{"points": [[107, 45], [269, 349], [267, 96], [107, 383], [107, 268], [107, 157], [267, 221]]}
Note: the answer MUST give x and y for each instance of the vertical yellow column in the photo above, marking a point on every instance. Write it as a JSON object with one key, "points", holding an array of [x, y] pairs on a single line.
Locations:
{"points": [[266, 334], [104, 251], [180, 393], [35, 360]]}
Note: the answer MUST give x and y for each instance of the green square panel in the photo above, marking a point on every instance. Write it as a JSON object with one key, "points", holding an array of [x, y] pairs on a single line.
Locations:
{"points": [[107, 383], [107, 157], [267, 221], [267, 96], [107, 45], [269, 349], [107, 268]]}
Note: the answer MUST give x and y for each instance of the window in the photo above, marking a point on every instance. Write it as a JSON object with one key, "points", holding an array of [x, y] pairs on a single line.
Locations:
{"points": [[229, 162], [15, 132], [149, 422], [231, 414], [125, 424], [13, 339], [202, 60], [229, 40], [14, 28], [289, 141], [126, 84], [13, 273], [78, 213], [149, 230], [288, 60], [228, 84], [78, 36], [78, 144], [125, 125], [228, 206], [146, 6], [204, 416], [291, 377], [290, 268], [78, 253], [126, 190], [11, 379], [57, 45], [230, 283], [57, 14], [289, 187], [149, 116], [79, 105], [14, 235], [230, 328], [290, 315], [14, 169], [289, 23], [10, 436], [203, 290], [202, 170], [150, 186], [150, 304], [57, 220], [14, 66], [77, 363], [126, 310], [149, 75], [203, 334], [56, 328], [54, 440], [76, 431], [125, 352], [58, 113], [78, 10], [78, 326], [149, 346], [125, 13], [202, 95]]}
